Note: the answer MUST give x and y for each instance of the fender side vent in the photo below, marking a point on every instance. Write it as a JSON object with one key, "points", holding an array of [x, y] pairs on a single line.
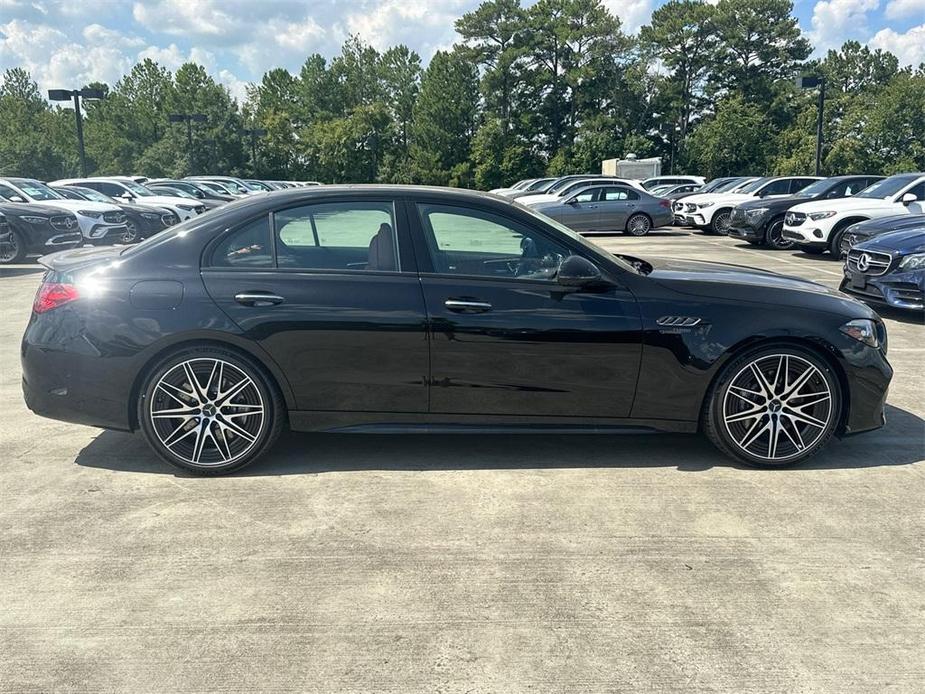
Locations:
{"points": [[678, 321]]}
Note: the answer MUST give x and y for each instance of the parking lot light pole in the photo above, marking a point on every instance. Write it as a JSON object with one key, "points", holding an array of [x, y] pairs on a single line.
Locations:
{"points": [[254, 133], [810, 82], [189, 119], [77, 95]]}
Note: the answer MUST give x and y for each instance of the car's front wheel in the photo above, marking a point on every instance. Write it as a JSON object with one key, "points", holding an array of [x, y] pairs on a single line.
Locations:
{"points": [[774, 406], [12, 248], [130, 235], [210, 410], [774, 236], [720, 223]]}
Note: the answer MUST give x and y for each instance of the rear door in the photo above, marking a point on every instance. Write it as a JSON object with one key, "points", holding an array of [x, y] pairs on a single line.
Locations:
{"points": [[330, 291], [615, 206]]}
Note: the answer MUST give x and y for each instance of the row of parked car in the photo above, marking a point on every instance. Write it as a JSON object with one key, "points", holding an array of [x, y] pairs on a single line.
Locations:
{"points": [[38, 218], [875, 223]]}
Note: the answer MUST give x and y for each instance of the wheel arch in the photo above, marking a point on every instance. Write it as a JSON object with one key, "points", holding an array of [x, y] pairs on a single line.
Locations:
{"points": [[817, 346], [637, 213], [155, 355]]}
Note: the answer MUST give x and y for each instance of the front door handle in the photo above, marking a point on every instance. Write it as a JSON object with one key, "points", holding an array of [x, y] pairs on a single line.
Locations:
{"points": [[258, 299], [467, 306]]}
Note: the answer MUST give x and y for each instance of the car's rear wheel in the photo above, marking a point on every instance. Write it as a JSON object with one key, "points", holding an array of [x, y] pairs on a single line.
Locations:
{"points": [[774, 406], [12, 248], [774, 236], [210, 410], [638, 225], [720, 223]]}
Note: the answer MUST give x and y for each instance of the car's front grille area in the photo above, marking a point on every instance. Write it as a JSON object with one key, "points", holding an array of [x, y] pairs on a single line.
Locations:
{"points": [[63, 222], [794, 219], [868, 262], [114, 217]]}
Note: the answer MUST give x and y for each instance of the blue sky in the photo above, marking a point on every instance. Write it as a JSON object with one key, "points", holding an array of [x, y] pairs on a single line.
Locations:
{"points": [[65, 43]]}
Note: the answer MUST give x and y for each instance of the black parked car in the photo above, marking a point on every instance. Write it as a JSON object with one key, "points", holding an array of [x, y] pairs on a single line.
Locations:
{"points": [[889, 270], [141, 221], [35, 229], [761, 222], [859, 232], [402, 308]]}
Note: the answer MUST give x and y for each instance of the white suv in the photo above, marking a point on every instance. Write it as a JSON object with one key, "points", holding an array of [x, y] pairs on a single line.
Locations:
{"points": [[817, 227], [100, 223], [711, 211], [124, 188]]}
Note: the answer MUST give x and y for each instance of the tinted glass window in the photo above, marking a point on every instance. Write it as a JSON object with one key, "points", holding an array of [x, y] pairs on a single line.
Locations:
{"points": [[798, 184], [781, 187], [472, 242], [918, 191], [617, 194], [249, 246], [8, 192], [338, 236], [888, 187], [589, 195]]}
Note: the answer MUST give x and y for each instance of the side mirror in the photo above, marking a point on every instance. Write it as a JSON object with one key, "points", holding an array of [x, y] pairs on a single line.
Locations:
{"points": [[16, 198], [908, 198], [572, 201], [127, 196], [578, 272]]}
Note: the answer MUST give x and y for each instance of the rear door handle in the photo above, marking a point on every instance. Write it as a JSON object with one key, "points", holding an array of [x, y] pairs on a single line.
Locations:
{"points": [[258, 299], [467, 306]]}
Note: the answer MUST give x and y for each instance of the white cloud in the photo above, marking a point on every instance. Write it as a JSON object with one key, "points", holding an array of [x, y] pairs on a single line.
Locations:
{"points": [[172, 57], [899, 9], [633, 13], [909, 47], [836, 21]]}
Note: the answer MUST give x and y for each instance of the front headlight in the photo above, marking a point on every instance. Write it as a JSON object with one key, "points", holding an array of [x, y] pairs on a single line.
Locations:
{"points": [[757, 212], [863, 330], [705, 204], [822, 215], [34, 220], [916, 261], [92, 215]]}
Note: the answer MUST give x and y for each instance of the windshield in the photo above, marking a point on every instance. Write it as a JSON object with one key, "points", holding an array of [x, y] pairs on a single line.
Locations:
{"points": [[137, 189], [720, 184], [540, 183], [234, 186], [211, 187], [814, 189], [753, 186], [96, 196], [38, 191], [888, 187], [562, 182]]}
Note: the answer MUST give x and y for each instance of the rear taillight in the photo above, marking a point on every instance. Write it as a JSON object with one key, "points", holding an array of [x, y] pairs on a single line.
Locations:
{"points": [[54, 294], [665, 203]]}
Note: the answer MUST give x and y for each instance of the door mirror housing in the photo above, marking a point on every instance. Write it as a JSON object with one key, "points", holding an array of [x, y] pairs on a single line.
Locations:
{"points": [[577, 272], [908, 198], [127, 196], [572, 201], [17, 198]]}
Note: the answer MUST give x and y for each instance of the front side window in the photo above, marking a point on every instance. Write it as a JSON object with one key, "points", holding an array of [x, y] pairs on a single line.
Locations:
{"points": [[8, 193], [338, 236], [247, 247], [619, 194], [781, 187], [466, 241], [588, 195]]}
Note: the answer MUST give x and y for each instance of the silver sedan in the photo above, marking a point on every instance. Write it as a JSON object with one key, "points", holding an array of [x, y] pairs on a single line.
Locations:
{"points": [[608, 208]]}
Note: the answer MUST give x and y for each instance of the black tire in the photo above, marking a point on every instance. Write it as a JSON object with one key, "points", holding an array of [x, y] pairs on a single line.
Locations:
{"points": [[774, 236], [638, 224], [12, 248], [813, 250], [719, 224], [131, 233], [835, 239], [729, 436], [223, 448]]}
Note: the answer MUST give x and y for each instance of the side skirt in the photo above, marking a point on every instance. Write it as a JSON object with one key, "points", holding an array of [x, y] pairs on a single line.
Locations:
{"points": [[401, 423]]}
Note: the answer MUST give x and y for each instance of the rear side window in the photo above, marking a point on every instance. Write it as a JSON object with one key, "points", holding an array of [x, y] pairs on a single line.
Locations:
{"points": [[338, 236], [617, 194], [247, 247]]}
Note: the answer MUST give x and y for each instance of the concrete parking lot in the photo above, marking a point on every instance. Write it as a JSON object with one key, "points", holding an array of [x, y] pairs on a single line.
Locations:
{"points": [[466, 564]]}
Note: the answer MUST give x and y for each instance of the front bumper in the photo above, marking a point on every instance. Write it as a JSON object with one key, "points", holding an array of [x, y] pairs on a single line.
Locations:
{"points": [[104, 234], [902, 290], [809, 234]]}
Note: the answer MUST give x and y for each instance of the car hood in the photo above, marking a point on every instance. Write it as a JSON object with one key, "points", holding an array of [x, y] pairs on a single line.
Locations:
{"points": [[19, 209], [167, 200], [904, 241], [844, 205], [136, 207], [747, 284], [719, 198], [86, 205], [778, 203]]}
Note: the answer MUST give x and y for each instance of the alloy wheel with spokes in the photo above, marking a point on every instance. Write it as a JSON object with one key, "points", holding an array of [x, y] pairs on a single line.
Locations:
{"points": [[12, 248], [209, 411], [775, 408], [721, 222], [638, 225], [775, 236], [130, 235]]}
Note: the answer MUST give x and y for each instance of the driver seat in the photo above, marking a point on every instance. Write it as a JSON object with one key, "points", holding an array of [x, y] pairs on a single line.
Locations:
{"points": [[382, 250]]}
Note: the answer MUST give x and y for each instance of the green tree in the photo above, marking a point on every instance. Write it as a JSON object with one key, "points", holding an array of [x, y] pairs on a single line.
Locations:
{"points": [[734, 141]]}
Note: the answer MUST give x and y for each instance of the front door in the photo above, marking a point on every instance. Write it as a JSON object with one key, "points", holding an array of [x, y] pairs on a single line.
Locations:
{"points": [[333, 302], [506, 339]]}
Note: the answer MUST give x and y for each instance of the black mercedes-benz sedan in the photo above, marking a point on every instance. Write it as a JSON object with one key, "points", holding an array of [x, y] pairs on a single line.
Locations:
{"points": [[404, 309]]}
